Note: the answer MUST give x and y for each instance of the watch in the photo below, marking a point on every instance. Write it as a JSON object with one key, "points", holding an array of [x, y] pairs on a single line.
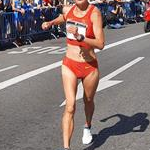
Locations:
{"points": [[80, 38]]}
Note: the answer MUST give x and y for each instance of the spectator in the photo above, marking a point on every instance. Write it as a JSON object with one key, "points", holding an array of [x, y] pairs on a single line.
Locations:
{"points": [[38, 4], [1, 17], [1, 6], [143, 7], [19, 12], [55, 11], [27, 5], [17, 7], [7, 6], [6, 20], [127, 9], [47, 3], [139, 8], [115, 15], [29, 16], [38, 17]]}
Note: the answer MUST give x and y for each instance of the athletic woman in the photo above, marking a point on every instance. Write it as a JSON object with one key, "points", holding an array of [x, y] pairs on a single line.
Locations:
{"points": [[84, 34]]}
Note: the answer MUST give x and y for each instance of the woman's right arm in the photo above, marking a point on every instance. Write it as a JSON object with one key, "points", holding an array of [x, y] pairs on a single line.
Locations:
{"points": [[59, 20]]}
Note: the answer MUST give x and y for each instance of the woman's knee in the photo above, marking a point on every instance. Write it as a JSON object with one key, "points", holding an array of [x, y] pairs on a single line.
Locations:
{"points": [[70, 109], [89, 99]]}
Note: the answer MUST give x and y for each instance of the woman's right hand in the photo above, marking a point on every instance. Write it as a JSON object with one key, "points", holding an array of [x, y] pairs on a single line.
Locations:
{"points": [[46, 25]]}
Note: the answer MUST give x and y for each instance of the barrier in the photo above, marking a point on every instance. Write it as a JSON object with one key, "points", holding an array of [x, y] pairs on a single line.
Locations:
{"points": [[27, 26], [8, 31]]}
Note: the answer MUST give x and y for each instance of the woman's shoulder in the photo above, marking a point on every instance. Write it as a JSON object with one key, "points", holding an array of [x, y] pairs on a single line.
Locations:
{"points": [[96, 14], [95, 11]]}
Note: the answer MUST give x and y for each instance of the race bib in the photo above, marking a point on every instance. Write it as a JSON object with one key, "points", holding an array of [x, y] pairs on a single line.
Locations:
{"points": [[81, 29]]}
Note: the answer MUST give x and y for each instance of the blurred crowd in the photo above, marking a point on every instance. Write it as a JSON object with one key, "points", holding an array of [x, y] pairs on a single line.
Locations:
{"points": [[20, 19], [117, 13]]}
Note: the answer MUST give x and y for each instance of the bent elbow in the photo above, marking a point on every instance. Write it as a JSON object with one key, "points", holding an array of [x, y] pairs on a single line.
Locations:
{"points": [[101, 46]]}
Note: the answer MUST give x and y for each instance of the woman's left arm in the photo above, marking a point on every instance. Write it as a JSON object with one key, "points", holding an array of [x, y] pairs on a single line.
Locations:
{"points": [[99, 40]]}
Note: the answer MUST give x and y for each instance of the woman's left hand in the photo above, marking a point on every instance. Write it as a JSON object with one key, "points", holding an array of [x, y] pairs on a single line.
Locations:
{"points": [[73, 30]]}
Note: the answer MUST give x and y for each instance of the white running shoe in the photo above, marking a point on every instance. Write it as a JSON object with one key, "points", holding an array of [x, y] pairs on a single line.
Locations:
{"points": [[87, 136]]}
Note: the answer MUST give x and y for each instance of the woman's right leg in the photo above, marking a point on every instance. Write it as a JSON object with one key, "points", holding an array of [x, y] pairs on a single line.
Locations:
{"points": [[70, 89]]}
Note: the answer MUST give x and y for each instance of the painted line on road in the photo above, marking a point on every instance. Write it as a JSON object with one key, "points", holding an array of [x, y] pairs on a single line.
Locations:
{"points": [[45, 51], [24, 50], [8, 68], [52, 49], [118, 71], [35, 51], [123, 41], [30, 74], [59, 51], [105, 82]]}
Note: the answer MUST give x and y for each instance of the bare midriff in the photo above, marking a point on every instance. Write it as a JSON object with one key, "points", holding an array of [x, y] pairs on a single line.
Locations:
{"points": [[80, 54]]}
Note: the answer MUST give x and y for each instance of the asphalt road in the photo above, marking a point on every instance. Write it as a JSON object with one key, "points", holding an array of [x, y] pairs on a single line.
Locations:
{"points": [[31, 94]]}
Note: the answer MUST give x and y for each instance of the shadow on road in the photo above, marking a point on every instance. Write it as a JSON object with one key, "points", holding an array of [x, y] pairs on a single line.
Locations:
{"points": [[126, 124]]}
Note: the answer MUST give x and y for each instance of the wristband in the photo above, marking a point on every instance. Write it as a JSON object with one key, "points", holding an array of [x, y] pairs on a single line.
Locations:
{"points": [[80, 38]]}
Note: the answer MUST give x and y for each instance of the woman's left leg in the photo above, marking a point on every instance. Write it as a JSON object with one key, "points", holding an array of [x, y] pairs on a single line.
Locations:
{"points": [[90, 84]]}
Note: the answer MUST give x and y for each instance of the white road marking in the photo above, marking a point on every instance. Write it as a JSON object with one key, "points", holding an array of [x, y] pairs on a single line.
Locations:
{"points": [[118, 71], [105, 82], [123, 41], [59, 51], [24, 50], [51, 49], [30, 74], [8, 68], [27, 75], [38, 50]]}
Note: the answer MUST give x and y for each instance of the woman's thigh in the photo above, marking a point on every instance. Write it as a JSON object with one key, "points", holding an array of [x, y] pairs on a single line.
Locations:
{"points": [[69, 84], [90, 84]]}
